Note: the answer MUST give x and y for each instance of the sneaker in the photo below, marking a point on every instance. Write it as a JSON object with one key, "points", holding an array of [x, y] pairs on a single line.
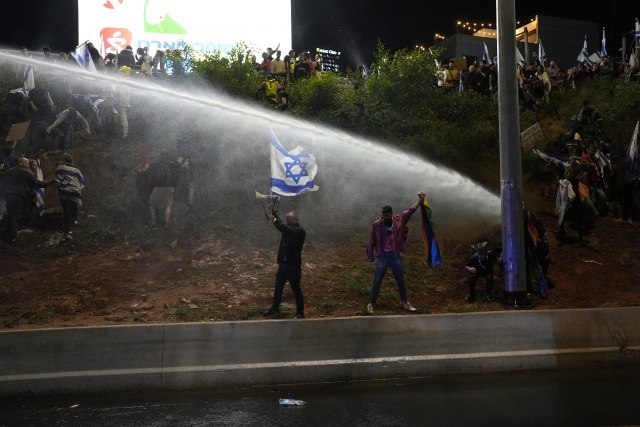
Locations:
{"points": [[488, 297], [270, 312], [407, 306], [370, 308], [299, 316]]}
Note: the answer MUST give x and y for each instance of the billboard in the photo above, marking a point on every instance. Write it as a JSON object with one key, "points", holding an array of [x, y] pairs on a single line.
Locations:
{"points": [[207, 26]]}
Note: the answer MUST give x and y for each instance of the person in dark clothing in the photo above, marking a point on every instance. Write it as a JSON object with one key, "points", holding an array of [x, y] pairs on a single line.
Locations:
{"points": [[126, 58], [19, 182], [480, 266], [289, 261], [162, 178]]}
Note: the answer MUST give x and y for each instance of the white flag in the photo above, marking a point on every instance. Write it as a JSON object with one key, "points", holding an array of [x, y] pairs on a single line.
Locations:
{"points": [[292, 172], [633, 148], [485, 55]]}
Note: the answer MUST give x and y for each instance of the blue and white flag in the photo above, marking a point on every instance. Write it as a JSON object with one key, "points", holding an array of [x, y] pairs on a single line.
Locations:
{"points": [[637, 28], [519, 58], [39, 193], [553, 158], [583, 56], [485, 55], [633, 149], [292, 172], [83, 58], [542, 56], [603, 50]]}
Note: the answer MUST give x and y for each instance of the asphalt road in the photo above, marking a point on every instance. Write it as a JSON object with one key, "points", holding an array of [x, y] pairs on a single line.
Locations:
{"points": [[567, 398]]}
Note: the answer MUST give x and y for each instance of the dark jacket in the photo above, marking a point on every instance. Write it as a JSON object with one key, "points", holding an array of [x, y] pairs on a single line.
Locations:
{"points": [[20, 181], [290, 249]]}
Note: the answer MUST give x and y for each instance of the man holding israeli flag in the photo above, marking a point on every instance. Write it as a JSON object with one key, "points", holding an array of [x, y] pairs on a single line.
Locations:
{"points": [[83, 58], [292, 172]]}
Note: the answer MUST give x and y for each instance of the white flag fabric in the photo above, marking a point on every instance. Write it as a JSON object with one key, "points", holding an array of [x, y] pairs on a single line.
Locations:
{"points": [[292, 172], [519, 58], [637, 28], [603, 51], [28, 82], [633, 149], [39, 193], [542, 56], [584, 53], [595, 58], [485, 54], [632, 59], [83, 58]]}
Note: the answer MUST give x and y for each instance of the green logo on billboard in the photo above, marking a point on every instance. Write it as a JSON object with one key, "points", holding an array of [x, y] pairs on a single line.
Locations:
{"points": [[158, 20]]}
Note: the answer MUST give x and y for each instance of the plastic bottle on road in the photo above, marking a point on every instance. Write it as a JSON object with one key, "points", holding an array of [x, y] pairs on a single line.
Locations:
{"points": [[292, 402]]}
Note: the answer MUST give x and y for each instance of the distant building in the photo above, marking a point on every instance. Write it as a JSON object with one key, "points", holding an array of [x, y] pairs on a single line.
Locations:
{"points": [[562, 40], [330, 59]]}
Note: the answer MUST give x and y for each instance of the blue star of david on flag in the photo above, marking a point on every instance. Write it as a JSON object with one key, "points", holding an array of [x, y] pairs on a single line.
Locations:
{"points": [[292, 172], [295, 170]]}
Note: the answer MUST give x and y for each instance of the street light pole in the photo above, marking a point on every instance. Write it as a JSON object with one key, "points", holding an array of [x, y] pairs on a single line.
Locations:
{"points": [[514, 285]]}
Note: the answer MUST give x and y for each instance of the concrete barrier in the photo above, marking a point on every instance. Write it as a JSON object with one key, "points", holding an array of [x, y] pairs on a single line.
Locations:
{"points": [[305, 351]]}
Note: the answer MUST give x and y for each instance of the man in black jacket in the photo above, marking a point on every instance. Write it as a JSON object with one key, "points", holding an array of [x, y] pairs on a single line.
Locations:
{"points": [[289, 261], [19, 181]]}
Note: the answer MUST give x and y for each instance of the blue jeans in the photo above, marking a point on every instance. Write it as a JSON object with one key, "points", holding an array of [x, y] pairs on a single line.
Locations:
{"points": [[383, 262]]}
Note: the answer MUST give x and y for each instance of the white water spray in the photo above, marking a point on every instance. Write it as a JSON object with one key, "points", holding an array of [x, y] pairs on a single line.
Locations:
{"points": [[356, 176]]}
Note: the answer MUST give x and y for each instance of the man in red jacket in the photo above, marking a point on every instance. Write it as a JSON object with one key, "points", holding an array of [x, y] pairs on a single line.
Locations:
{"points": [[387, 239]]}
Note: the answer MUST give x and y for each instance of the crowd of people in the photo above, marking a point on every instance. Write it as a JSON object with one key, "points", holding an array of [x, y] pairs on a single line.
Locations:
{"points": [[589, 171]]}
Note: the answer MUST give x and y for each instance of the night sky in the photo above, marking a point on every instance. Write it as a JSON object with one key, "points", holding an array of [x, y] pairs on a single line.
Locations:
{"points": [[351, 26]]}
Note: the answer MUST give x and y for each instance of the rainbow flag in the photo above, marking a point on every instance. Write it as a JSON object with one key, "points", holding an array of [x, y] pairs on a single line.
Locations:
{"points": [[431, 248]]}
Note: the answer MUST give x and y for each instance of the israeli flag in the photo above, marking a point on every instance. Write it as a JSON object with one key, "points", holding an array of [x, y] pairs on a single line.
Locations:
{"points": [[633, 149], [292, 172], [553, 158], [83, 58], [583, 56], [637, 28], [603, 51], [542, 56], [485, 54], [39, 193]]}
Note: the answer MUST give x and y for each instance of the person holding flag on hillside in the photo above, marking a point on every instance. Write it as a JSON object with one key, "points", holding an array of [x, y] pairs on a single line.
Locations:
{"points": [[292, 173], [387, 239]]}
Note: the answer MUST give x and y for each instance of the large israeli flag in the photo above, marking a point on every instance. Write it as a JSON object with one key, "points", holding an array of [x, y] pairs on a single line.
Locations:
{"points": [[637, 28], [83, 58], [292, 172]]}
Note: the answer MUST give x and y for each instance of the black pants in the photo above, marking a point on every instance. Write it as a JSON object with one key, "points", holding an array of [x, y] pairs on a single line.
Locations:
{"points": [[488, 279], [70, 211], [15, 211], [293, 275]]}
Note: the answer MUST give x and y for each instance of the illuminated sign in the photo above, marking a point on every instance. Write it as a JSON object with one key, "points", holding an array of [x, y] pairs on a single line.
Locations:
{"points": [[205, 25]]}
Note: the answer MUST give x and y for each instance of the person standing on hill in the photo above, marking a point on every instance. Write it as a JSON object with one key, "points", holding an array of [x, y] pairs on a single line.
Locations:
{"points": [[387, 239], [289, 261], [70, 184], [19, 182], [162, 180]]}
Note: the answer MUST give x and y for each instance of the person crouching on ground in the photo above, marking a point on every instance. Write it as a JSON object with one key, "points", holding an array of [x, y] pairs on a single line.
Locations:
{"points": [[70, 184], [289, 261], [386, 241]]}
